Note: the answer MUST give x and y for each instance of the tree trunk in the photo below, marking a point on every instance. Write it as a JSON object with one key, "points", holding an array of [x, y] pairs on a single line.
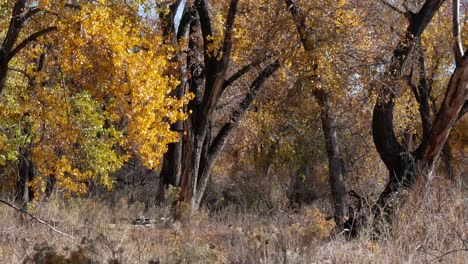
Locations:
{"points": [[208, 81], [24, 193], [50, 185], [404, 166], [335, 161]]}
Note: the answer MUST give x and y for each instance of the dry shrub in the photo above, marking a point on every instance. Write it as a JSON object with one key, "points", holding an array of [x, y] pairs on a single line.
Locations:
{"points": [[313, 228]]}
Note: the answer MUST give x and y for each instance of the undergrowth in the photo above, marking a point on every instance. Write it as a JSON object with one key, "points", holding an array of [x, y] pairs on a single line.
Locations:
{"points": [[431, 226]]}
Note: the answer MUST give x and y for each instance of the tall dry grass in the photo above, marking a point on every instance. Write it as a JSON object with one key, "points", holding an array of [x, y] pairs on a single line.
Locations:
{"points": [[431, 226]]}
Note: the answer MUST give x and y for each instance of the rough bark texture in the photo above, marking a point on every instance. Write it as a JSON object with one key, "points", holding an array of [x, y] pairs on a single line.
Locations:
{"points": [[405, 166], [455, 97]]}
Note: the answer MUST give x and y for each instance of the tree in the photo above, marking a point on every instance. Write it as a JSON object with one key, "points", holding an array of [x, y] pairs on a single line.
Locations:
{"points": [[406, 166], [202, 142], [310, 40], [99, 93], [22, 12]]}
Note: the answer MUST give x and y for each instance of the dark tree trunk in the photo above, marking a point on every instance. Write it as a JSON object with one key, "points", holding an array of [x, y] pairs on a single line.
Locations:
{"points": [[50, 185], [175, 28], [405, 166], [24, 193]]}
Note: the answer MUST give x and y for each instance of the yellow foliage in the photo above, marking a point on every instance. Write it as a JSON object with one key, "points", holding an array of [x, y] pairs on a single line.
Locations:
{"points": [[103, 95]]}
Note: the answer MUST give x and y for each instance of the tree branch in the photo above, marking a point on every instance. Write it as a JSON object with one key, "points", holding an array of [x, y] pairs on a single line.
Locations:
{"points": [[218, 143], [235, 116], [206, 29], [456, 31], [35, 218], [14, 28], [300, 22], [240, 73], [227, 42], [184, 24], [217, 71], [383, 133], [28, 40], [454, 101], [448, 253]]}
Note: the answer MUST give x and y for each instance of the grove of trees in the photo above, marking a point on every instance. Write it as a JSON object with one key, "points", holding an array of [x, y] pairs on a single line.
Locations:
{"points": [[372, 92]]}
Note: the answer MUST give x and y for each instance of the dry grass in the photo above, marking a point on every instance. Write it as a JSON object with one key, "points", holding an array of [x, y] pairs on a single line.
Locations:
{"points": [[431, 226]]}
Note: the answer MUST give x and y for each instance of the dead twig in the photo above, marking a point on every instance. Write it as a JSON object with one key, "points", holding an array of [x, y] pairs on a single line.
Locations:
{"points": [[448, 253], [35, 218]]}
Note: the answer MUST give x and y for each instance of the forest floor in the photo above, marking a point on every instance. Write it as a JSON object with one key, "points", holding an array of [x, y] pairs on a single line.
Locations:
{"points": [[431, 228]]}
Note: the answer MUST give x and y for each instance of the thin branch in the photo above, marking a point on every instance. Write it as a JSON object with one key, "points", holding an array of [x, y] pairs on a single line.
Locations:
{"points": [[31, 12], [456, 31], [20, 71], [448, 253], [288, 216], [35, 218], [301, 25]]}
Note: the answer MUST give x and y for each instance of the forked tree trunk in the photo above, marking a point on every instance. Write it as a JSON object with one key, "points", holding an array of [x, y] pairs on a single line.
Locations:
{"points": [[10, 46], [193, 158], [405, 166]]}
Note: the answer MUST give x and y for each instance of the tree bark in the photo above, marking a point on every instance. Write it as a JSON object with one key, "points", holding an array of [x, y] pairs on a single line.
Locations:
{"points": [[335, 161], [21, 13], [24, 193]]}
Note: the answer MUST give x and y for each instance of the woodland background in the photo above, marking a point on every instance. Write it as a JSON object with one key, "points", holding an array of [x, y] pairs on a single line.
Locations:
{"points": [[196, 131]]}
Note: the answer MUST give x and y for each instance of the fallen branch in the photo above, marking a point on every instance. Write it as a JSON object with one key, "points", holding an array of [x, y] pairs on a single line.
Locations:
{"points": [[448, 253], [35, 218]]}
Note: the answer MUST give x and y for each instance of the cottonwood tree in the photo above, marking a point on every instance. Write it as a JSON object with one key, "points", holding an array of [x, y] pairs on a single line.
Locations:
{"points": [[188, 164], [22, 12], [314, 41], [101, 93], [406, 166], [17, 17]]}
